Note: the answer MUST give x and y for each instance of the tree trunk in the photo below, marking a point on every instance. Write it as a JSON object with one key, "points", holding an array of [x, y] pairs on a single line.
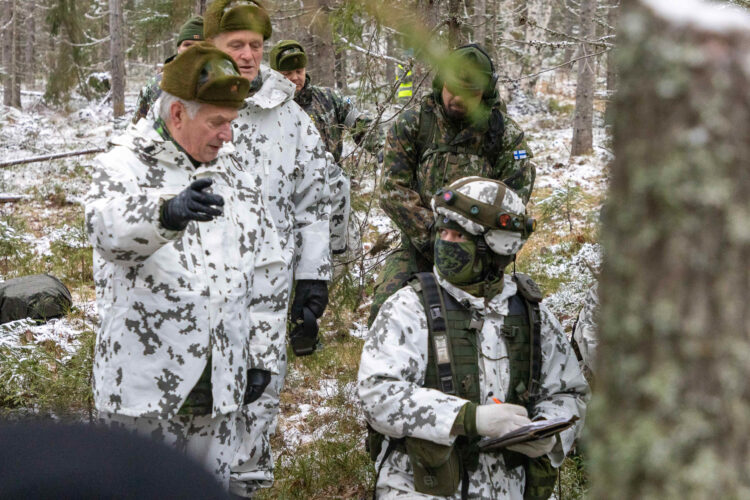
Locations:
{"points": [[612, 17], [340, 67], [200, 7], [390, 66], [480, 22], [117, 58], [17, 55], [6, 22], [672, 403], [455, 37], [611, 73], [29, 49], [538, 14], [583, 138], [571, 28], [323, 62], [11, 51]]}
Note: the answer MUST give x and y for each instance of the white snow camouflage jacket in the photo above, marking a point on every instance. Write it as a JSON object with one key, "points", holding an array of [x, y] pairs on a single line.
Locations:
{"points": [[392, 371], [169, 299], [277, 141]]}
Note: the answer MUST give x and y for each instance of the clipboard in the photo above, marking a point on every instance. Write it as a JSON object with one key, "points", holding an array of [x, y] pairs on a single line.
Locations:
{"points": [[535, 430]]}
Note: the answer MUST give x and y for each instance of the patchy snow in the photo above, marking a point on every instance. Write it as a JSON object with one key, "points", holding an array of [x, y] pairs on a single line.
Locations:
{"points": [[314, 420], [359, 330], [700, 14]]}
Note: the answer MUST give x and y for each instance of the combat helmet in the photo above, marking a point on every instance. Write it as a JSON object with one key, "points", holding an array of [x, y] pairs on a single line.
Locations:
{"points": [[487, 208]]}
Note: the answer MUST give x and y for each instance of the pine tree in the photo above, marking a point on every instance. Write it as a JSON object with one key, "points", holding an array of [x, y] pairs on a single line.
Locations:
{"points": [[672, 407]]}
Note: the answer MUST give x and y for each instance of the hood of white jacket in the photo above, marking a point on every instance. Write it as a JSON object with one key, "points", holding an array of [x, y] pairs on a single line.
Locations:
{"points": [[275, 91], [498, 304], [143, 139]]}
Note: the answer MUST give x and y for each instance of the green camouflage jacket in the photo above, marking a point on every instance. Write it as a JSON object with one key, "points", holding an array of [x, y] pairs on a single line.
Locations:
{"points": [[413, 173], [332, 115]]}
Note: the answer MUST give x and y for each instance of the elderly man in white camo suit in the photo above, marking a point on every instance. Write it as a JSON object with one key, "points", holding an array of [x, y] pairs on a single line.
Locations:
{"points": [[279, 142], [181, 240], [432, 419]]}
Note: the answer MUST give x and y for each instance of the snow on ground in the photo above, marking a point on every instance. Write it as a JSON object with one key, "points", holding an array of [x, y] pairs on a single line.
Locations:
{"points": [[314, 420]]}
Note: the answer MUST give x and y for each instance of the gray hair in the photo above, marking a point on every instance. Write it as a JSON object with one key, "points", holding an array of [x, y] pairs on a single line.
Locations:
{"points": [[165, 104]]}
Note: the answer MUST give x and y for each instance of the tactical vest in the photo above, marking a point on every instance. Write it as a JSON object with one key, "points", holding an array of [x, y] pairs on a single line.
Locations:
{"points": [[439, 163], [453, 368]]}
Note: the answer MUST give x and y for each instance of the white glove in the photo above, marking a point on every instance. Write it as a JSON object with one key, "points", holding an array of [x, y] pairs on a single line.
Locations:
{"points": [[496, 420], [535, 448]]}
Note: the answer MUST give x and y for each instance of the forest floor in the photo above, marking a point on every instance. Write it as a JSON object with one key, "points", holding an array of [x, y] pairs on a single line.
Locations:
{"points": [[319, 446]]}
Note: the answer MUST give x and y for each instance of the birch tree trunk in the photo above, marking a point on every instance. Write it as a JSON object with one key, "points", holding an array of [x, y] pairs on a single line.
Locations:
{"points": [[117, 58], [583, 138], [200, 7], [671, 411]]}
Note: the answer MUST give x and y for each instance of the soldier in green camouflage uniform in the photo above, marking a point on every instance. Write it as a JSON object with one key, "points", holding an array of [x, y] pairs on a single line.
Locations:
{"points": [[190, 34], [459, 130], [332, 115]]}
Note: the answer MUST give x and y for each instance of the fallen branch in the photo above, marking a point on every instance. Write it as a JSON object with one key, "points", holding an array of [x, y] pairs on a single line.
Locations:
{"points": [[12, 198], [55, 156]]}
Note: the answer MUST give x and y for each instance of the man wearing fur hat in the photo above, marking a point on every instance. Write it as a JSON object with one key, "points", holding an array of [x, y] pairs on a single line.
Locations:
{"points": [[279, 142], [489, 358], [190, 33], [181, 240], [459, 129], [332, 115]]}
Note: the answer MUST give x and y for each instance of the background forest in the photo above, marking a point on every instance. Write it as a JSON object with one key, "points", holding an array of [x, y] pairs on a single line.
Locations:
{"points": [[72, 69]]}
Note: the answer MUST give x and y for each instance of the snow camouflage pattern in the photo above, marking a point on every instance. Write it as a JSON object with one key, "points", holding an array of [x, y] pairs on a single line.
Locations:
{"points": [[500, 242], [277, 141], [392, 371], [170, 299], [585, 333], [147, 97], [410, 182], [211, 441]]}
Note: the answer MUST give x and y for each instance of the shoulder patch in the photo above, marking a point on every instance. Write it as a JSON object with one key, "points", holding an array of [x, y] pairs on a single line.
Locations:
{"points": [[527, 287]]}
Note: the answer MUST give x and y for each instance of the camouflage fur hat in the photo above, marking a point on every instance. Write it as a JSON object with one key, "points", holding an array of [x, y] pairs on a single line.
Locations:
{"points": [[236, 15], [287, 55], [191, 30], [207, 75], [485, 207]]}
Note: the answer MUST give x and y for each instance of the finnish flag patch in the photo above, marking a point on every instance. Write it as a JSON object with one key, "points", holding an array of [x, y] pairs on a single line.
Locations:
{"points": [[520, 154]]}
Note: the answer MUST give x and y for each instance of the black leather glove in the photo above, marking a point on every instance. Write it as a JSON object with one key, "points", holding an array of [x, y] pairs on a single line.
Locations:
{"points": [[310, 294], [304, 335], [191, 204], [310, 301], [257, 381]]}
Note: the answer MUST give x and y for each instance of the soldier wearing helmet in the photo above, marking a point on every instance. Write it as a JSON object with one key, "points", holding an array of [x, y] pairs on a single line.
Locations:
{"points": [[460, 129], [446, 349]]}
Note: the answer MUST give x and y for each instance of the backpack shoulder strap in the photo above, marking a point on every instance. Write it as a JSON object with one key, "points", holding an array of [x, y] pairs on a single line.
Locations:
{"points": [[426, 129], [532, 297], [493, 143], [439, 346]]}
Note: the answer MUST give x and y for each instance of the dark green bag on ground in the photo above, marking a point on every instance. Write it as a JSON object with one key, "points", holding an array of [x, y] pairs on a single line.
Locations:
{"points": [[39, 297]]}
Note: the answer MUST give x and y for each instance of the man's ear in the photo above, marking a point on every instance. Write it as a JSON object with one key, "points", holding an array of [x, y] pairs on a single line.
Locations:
{"points": [[177, 114]]}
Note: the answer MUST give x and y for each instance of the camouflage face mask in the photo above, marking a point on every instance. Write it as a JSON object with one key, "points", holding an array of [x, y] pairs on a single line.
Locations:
{"points": [[456, 261]]}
